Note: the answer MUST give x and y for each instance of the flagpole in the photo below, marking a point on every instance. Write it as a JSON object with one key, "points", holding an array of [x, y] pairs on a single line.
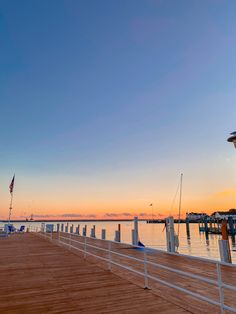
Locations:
{"points": [[10, 208], [11, 188]]}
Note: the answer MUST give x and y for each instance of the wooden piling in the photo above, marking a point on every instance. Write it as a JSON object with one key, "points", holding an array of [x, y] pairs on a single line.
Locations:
{"points": [[206, 225], [187, 228], [71, 228], [103, 234], [224, 247]]}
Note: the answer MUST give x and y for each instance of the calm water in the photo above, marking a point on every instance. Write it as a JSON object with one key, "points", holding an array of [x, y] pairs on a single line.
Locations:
{"points": [[152, 235]]}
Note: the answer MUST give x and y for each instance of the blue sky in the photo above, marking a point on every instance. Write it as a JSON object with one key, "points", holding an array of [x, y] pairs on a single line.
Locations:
{"points": [[110, 100]]}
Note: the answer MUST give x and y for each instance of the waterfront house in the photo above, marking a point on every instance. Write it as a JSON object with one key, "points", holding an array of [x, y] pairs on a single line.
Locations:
{"points": [[196, 216], [224, 214]]}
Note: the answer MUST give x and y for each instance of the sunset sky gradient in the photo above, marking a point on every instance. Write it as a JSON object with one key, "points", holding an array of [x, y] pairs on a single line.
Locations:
{"points": [[104, 103]]}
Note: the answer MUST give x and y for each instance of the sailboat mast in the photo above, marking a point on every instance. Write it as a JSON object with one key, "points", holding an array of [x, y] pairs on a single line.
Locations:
{"points": [[180, 198]]}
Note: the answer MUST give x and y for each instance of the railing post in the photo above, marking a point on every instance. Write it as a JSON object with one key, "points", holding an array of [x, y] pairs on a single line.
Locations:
{"points": [[145, 270], [85, 247], [221, 292], [109, 255]]}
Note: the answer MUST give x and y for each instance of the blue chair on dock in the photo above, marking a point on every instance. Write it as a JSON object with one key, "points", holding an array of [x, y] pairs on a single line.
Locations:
{"points": [[21, 230], [11, 229]]}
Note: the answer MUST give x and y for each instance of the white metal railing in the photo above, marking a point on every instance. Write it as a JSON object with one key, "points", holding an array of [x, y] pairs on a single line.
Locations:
{"points": [[63, 236], [67, 240]]}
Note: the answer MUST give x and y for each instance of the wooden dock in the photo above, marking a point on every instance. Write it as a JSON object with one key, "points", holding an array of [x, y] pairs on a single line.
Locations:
{"points": [[38, 276]]}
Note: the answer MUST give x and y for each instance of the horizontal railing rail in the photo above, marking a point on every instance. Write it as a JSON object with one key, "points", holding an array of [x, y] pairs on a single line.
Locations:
{"points": [[70, 240]]}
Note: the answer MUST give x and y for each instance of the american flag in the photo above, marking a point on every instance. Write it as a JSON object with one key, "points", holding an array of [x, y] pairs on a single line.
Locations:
{"points": [[11, 186]]}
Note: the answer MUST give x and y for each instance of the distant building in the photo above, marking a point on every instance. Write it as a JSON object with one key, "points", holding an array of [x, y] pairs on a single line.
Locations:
{"points": [[196, 216], [224, 214]]}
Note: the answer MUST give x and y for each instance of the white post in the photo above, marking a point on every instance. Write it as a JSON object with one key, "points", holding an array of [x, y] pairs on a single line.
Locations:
{"points": [[94, 231], [225, 254], [170, 234], [135, 236], [136, 228], [103, 234], [134, 239], [42, 227]]}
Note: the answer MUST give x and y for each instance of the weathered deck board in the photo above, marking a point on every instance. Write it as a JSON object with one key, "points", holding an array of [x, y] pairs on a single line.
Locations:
{"points": [[39, 277]]}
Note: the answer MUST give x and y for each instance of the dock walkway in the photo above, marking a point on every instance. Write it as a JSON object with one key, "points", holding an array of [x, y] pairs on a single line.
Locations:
{"points": [[38, 276]]}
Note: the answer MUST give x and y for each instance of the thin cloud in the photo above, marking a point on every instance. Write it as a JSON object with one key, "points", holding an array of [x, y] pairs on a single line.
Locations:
{"points": [[226, 193], [71, 215], [144, 215], [78, 215], [126, 214], [66, 215], [40, 216], [111, 215], [90, 216], [118, 215]]}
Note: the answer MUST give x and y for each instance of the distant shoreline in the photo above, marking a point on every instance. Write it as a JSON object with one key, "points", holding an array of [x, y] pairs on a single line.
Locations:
{"points": [[95, 220], [69, 220]]}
